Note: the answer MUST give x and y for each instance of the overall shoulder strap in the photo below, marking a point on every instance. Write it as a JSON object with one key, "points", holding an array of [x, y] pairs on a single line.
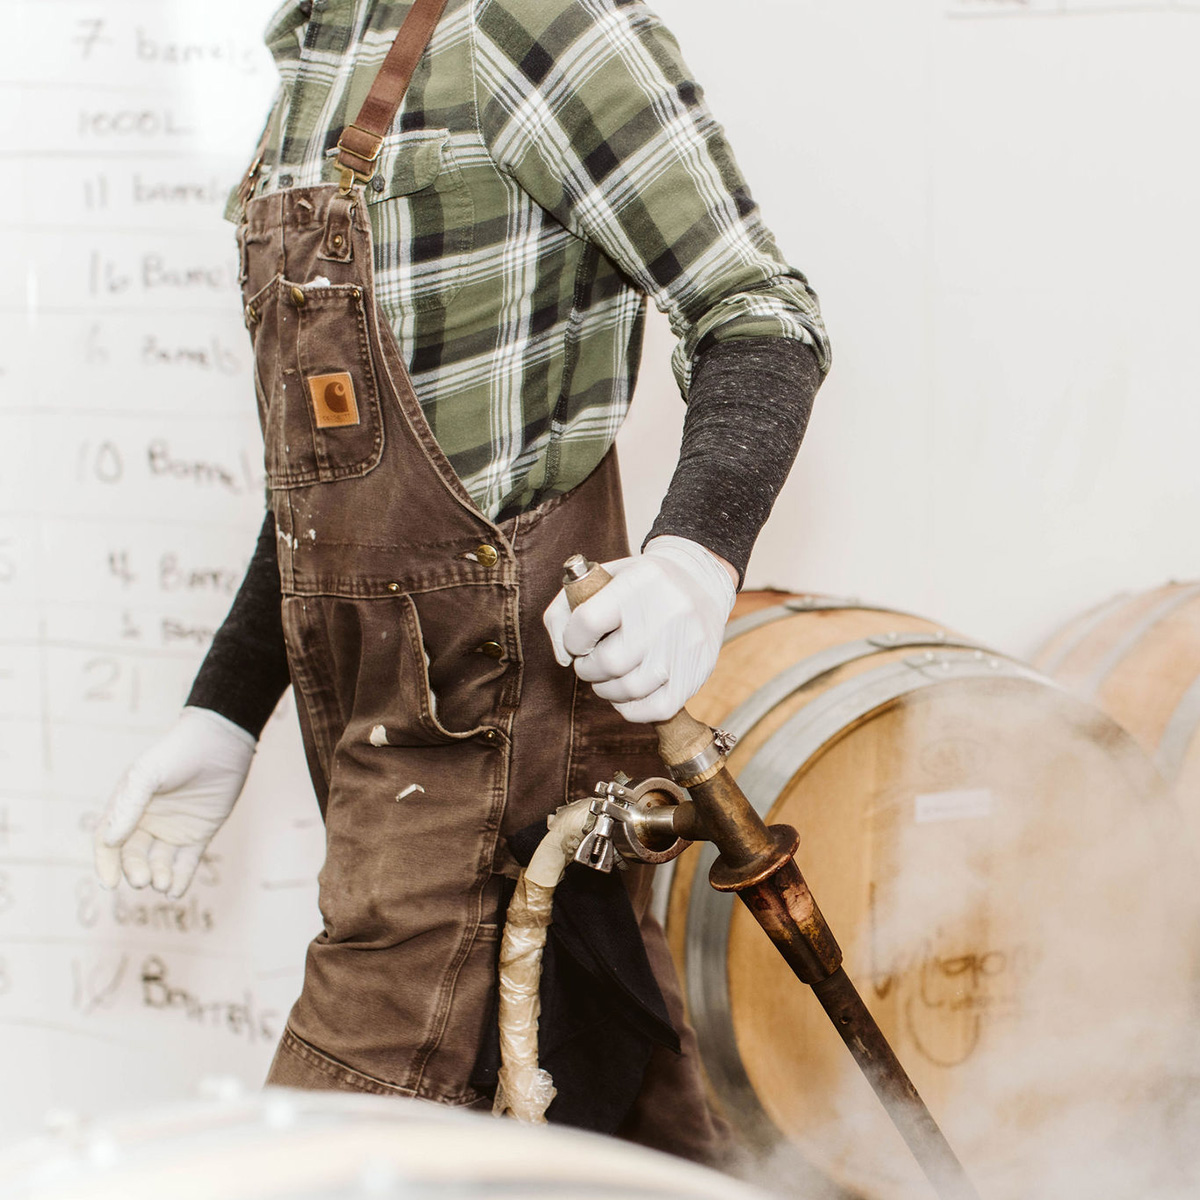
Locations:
{"points": [[358, 147]]}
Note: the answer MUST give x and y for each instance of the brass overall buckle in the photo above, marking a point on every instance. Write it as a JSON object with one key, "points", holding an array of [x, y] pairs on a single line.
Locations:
{"points": [[349, 175]]}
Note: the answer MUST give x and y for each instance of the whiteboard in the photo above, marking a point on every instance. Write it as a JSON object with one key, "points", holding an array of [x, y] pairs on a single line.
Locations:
{"points": [[995, 200], [128, 513]]}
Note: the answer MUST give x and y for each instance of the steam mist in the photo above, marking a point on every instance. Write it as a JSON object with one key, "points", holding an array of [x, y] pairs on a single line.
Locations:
{"points": [[1014, 893]]}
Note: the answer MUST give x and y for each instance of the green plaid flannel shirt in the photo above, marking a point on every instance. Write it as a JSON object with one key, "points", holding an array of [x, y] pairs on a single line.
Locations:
{"points": [[552, 165]]}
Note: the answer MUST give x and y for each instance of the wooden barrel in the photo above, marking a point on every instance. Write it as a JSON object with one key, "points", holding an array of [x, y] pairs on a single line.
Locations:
{"points": [[283, 1145], [995, 859], [1137, 656]]}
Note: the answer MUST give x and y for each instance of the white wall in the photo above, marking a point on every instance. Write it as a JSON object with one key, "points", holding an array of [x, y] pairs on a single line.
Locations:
{"points": [[996, 202]]}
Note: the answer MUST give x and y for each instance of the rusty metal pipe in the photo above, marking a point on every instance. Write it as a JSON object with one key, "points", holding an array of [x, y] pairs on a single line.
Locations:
{"points": [[890, 1082], [757, 862]]}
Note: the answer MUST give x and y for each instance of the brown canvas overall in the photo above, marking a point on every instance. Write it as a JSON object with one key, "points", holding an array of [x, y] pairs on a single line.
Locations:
{"points": [[434, 717]]}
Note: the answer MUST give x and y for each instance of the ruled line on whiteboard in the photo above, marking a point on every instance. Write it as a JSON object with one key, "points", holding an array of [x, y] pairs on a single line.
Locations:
{"points": [[103, 310], [55, 1027], [110, 3], [112, 155], [124, 414], [132, 651], [52, 229], [1001, 13], [43, 668], [140, 728], [48, 794], [100, 311], [97, 86], [107, 519], [91, 941], [74, 864]]}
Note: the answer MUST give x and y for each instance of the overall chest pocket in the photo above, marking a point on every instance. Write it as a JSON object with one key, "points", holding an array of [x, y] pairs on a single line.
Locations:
{"points": [[318, 397]]}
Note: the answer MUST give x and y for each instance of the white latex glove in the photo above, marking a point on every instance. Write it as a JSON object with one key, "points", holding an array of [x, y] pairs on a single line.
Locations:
{"points": [[649, 640], [171, 801]]}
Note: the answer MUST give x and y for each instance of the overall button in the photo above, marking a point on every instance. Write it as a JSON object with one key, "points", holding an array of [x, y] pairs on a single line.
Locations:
{"points": [[491, 649], [298, 297], [488, 556]]}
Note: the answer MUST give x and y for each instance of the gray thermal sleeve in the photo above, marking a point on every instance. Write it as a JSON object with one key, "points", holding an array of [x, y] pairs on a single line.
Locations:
{"points": [[246, 671], [748, 407]]}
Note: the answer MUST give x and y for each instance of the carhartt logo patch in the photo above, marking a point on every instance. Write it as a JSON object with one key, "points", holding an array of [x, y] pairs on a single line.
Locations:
{"points": [[333, 399]]}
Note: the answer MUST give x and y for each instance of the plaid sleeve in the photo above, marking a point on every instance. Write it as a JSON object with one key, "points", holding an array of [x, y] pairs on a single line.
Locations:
{"points": [[590, 107]]}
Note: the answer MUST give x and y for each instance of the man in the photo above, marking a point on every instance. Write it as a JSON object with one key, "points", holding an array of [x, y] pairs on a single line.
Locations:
{"points": [[447, 315]]}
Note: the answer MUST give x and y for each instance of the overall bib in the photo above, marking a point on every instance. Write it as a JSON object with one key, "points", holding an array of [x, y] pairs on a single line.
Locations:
{"points": [[434, 718]]}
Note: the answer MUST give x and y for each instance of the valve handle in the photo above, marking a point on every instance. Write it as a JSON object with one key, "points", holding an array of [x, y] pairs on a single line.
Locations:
{"points": [[681, 738]]}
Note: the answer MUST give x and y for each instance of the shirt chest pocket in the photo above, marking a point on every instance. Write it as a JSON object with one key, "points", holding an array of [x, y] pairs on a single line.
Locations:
{"points": [[422, 222]]}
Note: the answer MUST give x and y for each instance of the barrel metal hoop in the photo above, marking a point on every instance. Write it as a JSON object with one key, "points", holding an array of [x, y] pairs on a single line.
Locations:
{"points": [[800, 604], [1177, 736], [1091, 686], [1087, 623], [777, 689], [706, 935]]}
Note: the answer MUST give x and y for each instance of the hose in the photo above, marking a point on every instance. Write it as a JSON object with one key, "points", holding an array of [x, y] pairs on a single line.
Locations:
{"points": [[524, 1090]]}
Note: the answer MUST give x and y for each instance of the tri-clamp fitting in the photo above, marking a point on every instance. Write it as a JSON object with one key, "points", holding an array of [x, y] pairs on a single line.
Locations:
{"points": [[632, 823]]}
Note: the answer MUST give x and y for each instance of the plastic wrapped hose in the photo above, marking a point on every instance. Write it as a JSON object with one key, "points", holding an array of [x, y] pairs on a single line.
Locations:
{"points": [[524, 1090]]}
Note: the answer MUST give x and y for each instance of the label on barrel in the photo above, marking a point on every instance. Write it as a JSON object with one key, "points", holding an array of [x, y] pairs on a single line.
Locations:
{"points": [[959, 805]]}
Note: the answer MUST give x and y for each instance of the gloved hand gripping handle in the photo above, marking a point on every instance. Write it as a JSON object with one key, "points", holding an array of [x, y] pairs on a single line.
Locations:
{"points": [[757, 863]]}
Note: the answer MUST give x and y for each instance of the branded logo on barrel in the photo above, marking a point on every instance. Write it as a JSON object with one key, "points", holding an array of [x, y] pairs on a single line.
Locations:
{"points": [[333, 399]]}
